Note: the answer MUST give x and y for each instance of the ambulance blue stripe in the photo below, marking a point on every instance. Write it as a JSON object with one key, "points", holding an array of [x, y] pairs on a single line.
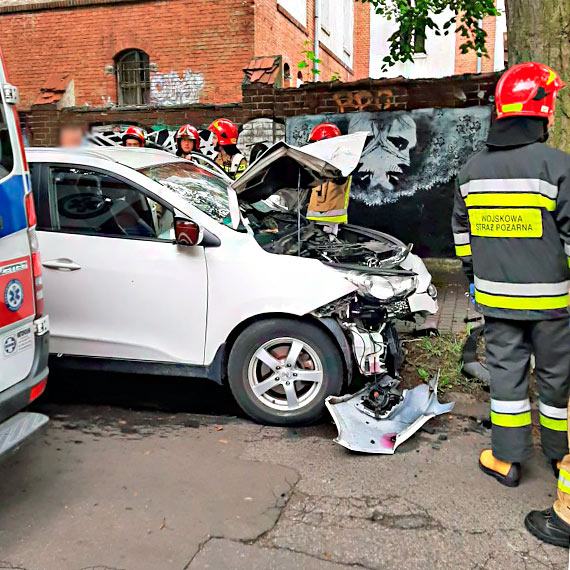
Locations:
{"points": [[12, 207]]}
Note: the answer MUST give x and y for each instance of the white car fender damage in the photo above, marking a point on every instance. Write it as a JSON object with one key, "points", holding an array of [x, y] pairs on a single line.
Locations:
{"points": [[263, 283]]}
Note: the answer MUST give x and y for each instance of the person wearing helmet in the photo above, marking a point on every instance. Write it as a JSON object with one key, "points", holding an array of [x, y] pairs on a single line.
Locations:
{"points": [[133, 137], [328, 204], [187, 141], [229, 158], [511, 228]]}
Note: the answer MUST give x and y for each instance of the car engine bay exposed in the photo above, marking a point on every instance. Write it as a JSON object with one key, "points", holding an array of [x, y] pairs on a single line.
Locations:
{"points": [[281, 233]]}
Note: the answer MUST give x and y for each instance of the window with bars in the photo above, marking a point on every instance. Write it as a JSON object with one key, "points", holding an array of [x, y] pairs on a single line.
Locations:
{"points": [[133, 78]]}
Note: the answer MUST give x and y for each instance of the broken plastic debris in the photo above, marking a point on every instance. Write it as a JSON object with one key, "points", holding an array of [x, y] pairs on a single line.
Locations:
{"points": [[358, 431]]}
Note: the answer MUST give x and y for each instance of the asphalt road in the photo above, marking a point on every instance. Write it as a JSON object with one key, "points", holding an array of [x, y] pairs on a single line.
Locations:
{"points": [[153, 474]]}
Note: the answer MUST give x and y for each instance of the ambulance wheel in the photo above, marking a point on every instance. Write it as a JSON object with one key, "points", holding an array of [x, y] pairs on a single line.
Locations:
{"points": [[281, 371]]}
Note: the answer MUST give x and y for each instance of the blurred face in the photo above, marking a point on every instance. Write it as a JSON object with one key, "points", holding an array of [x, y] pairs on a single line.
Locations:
{"points": [[133, 143], [71, 136], [187, 144]]}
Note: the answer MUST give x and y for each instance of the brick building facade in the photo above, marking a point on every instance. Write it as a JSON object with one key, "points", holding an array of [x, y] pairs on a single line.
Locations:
{"points": [[468, 62], [101, 53]]}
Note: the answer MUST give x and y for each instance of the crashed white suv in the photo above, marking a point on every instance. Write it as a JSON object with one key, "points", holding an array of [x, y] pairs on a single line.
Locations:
{"points": [[152, 266]]}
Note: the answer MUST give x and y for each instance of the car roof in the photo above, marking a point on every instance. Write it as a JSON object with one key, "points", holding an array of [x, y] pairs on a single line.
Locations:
{"points": [[135, 158]]}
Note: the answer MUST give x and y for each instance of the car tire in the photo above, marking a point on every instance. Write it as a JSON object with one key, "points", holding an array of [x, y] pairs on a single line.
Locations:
{"points": [[281, 339]]}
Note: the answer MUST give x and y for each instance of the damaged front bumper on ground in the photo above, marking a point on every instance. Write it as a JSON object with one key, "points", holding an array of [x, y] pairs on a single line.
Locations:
{"points": [[359, 430]]}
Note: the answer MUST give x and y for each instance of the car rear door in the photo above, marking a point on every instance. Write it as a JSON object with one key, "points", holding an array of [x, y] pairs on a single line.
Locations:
{"points": [[116, 284]]}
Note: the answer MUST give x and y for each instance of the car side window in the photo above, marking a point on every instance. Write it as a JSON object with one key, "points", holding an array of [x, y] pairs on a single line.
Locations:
{"points": [[6, 151], [95, 203]]}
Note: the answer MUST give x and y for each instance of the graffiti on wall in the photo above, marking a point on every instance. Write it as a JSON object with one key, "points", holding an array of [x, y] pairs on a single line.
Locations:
{"points": [[172, 89], [259, 132], [364, 100], [405, 179]]}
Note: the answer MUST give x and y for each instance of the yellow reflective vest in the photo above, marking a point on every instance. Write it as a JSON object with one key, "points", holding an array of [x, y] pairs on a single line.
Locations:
{"points": [[511, 229], [236, 167], [329, 202]]}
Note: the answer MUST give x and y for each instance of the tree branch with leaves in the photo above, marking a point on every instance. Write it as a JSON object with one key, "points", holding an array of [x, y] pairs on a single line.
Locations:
{"points": [[414, 17]]}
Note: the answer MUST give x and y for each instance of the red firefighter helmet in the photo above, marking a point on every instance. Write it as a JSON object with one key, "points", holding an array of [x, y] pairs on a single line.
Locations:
{"points": [[190, 132], [134, 133], [225, 130], [324, 131], [527, 89]]}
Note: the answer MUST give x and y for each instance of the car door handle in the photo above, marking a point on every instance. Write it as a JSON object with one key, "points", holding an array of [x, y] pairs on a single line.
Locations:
{"points": [[62, 264]]}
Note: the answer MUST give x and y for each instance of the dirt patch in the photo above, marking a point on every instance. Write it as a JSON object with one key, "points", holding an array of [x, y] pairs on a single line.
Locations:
{"points": [[427, 355]]}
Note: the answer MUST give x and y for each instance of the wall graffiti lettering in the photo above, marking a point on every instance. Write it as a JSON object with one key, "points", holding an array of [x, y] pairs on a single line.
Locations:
{"points": [[364, 100], [404, 182], [171, 89]]}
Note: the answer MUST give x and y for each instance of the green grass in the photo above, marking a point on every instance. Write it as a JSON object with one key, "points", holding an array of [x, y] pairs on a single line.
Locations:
{"points": [[442, 353]]}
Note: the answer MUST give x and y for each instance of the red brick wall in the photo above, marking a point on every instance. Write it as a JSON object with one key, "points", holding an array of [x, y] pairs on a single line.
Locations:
{"points": [[215, 38], [211, 37], [368, 95], [467, 63], [276, 33], [41, 125], [361, 40]]}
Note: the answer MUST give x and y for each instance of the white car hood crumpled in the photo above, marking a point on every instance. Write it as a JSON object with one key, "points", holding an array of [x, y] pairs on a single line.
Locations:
{"points": [[284, 165]]}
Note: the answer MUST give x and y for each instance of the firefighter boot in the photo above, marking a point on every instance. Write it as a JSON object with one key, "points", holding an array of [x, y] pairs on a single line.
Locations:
{"points": [[548, 527], [507, 474]]}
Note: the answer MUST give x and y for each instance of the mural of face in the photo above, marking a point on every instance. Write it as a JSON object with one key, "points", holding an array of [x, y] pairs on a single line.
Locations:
{"points": [[387, 154]]}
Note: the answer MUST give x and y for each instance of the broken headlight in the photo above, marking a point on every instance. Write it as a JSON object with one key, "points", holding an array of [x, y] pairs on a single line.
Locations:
{"points": [[384, 287]]}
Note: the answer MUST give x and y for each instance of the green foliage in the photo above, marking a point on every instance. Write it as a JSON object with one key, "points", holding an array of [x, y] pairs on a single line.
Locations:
{"points": [[336, 76], [414, 17], [309, 58], [441, 353]]}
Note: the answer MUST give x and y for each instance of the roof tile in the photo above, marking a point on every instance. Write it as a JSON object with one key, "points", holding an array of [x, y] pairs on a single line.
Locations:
{"points": [[263, 70], [257, 75]]}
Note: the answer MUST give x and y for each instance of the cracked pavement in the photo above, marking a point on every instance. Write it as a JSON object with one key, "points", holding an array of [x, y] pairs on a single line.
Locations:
{"points": [[106, 488]]}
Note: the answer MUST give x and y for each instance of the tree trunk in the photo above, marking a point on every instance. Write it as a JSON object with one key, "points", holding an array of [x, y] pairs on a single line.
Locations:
{"points": [[539, 30]]}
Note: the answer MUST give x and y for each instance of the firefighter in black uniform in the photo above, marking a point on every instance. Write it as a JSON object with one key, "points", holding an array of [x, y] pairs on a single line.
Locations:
{"points": [[511, 228]]}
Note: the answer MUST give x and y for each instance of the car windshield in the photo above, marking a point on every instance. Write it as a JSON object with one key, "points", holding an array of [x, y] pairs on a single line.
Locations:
{"points": [[201, 188]]}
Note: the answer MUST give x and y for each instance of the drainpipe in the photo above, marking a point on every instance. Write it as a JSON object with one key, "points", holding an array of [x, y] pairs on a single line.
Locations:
{"points": [[317, 36], [479, 63]]}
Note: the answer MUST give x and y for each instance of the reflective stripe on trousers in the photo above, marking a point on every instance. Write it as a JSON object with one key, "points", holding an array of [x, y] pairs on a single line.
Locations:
{"points": [[564, 481], [553, 418], [462, 244], [509, 345], [510, 414]]}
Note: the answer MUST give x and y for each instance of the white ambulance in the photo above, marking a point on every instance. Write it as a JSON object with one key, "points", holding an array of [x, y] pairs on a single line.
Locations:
{"points": [[24, 329]]}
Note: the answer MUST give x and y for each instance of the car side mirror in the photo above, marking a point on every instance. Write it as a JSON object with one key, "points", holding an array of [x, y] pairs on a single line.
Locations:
{"points": [[187, 232]]}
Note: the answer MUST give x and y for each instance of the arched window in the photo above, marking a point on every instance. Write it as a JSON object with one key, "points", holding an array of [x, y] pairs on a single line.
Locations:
{"points": [[299, 78], [133, 77], [286, 75]]}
